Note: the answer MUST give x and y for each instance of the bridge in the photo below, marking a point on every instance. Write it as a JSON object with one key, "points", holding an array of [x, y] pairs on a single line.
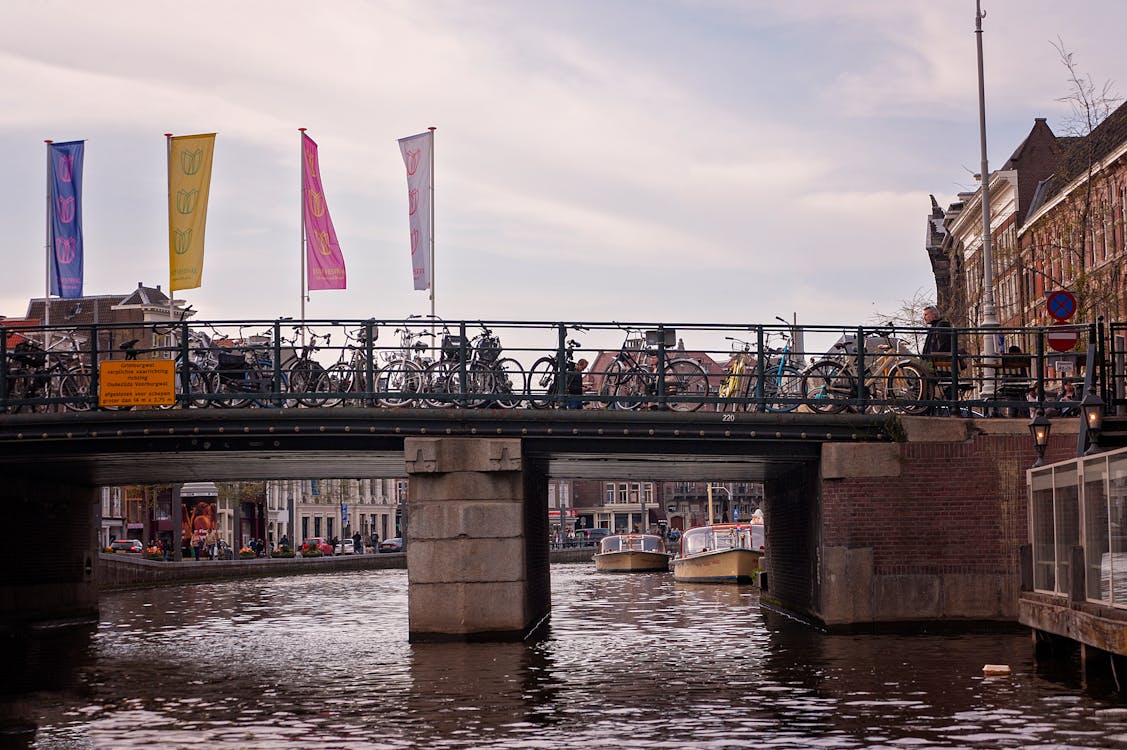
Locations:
{"points": [[875, 516]]}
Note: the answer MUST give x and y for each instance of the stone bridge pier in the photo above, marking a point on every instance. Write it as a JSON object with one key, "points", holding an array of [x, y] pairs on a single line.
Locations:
{"points": [[477, 557]]}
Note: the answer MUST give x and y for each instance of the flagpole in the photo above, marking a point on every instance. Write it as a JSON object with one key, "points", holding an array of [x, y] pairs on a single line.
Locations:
{"points": [[47, 254], [168, 177], [301, 193], [432, 268]]}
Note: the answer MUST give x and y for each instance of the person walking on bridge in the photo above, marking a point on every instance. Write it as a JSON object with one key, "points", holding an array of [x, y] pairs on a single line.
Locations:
{"points": [[938, 339]]}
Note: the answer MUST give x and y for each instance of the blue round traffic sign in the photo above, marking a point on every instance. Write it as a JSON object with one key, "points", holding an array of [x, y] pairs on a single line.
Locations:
{"points": [[1061, 304]]}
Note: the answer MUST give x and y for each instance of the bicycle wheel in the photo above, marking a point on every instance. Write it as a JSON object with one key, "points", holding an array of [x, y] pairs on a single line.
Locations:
{"points": [[437, 386], [399, 382], [630, 389], [479, 383], [509, 384], [608, 386], [339, 378], [686, 384], [199, 386], [74, 388], [785, 383], [542, 383], [825, 385], [268, 399], [308, 379], [905, 388]]}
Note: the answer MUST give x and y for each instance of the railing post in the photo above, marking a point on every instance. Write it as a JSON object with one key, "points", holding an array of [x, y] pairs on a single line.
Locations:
{"points": [[952, 398], [561, 364], [1101, 365], [185, 354], [277, 355], [860, 370], [1040, 353], [463, 345], [94, 373], [3, 367], [661, 367], [760, 368], [369, 360]]}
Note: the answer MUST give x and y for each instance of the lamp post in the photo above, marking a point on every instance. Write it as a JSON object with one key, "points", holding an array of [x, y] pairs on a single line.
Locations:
{"points": [[989, 312], [1092, 407], [729, 493], [1039, 428]]}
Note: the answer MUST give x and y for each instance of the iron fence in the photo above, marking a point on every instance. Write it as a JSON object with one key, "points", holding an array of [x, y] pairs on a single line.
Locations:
{"points": [[431, 363]]}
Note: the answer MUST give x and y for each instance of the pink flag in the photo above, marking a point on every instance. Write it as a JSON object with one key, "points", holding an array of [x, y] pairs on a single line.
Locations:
{"points": [[418, 152], [324, 261]]}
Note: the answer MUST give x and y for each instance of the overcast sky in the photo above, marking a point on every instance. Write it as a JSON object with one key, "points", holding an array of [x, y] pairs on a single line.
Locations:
{"points": [[676, 160]]}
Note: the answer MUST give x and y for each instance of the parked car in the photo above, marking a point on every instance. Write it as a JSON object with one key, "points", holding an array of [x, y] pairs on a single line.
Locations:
{"points": [[345, 547], [590, 537], [395, 544], [127, 545], [317, 542]]}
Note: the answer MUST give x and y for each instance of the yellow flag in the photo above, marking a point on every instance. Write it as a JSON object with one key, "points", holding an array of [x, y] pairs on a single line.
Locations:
{"points": [[189, 177]]}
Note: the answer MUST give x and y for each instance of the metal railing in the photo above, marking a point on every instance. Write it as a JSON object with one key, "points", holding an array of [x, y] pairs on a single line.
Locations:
{"points": [[430, 363]]}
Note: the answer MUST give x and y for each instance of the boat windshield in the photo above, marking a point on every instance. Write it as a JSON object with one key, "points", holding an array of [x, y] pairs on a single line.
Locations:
{"points": [[715, 538], [636, 542]]}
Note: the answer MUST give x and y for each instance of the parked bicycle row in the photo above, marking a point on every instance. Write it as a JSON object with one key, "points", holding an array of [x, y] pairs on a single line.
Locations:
{"points": [[432, 363]]}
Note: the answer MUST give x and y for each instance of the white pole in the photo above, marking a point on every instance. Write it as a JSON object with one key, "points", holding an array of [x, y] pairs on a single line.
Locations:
{"points": [[168, 172], [301, 194], [989, 313], [47, 254], [432, 268], [710, 503]]}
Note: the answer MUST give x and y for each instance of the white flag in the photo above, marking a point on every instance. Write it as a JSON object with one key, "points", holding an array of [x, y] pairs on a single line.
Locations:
{"points": [[418, 151]]}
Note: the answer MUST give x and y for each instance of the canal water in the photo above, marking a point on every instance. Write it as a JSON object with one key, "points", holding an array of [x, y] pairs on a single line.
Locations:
{"points": [[635, 661]]}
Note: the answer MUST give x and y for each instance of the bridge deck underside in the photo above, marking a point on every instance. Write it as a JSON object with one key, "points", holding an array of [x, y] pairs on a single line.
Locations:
{"points": [[176, 446]]}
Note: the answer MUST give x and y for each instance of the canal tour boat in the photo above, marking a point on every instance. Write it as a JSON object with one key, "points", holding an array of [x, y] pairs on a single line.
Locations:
{"points": [[723, 553], [632, 553]]}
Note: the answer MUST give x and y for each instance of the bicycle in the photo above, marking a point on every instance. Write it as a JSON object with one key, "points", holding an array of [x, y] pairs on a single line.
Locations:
{"points": [[48, 378], [349, 374], [738, 380], [547, 381], [308, 377], [248, 368], [892, 377], [402, 377], [631, 378], [201, 363]]}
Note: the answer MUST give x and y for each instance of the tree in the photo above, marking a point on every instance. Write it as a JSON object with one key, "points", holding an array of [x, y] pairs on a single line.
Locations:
{"points": [[1073, 240]]}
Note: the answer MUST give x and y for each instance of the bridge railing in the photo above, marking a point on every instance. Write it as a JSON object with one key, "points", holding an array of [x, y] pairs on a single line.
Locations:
{"points": [[424, 363]]}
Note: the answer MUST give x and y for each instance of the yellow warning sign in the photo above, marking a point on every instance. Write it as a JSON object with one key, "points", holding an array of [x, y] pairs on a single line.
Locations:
{"points": [[149, 382]]}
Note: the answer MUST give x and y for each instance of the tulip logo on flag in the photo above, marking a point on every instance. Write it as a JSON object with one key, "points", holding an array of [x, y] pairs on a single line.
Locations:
{"points": [[189, 180], [418, 152], [65, 222], [324, 261]]}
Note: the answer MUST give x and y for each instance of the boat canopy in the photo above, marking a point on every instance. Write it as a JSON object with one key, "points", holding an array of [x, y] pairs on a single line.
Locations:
{"points": [[727, 536], [636, 542]]}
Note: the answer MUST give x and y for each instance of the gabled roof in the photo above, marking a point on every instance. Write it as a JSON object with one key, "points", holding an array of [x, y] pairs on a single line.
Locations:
{"points": [[144, 295]]}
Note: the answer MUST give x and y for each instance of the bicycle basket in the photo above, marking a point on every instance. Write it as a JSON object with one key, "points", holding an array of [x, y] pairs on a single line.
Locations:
{"points": [[665, 337], [232, 361], [29, 354], [451, 345], [489, 349]]}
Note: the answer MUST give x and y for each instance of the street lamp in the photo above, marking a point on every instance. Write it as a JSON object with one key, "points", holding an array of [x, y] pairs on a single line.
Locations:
{"points": [[1039, 428], [989, 310], [1092, 408]]}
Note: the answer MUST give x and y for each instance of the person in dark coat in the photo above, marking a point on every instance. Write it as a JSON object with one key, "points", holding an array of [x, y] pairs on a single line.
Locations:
{"points": [[574, 384], [938, 340]]}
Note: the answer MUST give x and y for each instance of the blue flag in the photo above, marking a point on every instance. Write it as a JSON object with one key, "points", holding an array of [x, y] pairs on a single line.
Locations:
{"points": [[65, 223]]}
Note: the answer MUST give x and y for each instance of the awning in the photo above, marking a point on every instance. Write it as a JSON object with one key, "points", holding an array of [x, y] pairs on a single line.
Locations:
{"points": [[657, 515]]}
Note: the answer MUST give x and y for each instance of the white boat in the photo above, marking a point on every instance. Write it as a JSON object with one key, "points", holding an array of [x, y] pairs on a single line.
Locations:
{"points": [[722, 553], [632, 553]]}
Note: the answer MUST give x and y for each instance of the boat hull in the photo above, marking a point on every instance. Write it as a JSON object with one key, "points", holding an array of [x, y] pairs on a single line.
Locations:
{"points": [[721, 566], [631, 561]]}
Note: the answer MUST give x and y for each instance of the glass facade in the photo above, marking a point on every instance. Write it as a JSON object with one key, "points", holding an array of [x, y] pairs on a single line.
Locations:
{"points": [[1081, 502]]}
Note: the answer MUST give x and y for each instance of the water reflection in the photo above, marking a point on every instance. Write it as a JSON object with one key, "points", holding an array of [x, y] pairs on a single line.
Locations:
{"points": [[635, 660]]}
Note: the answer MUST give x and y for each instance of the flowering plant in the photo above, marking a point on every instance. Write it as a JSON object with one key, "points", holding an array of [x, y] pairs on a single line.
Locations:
{"points": [[153, 553], [245, 552]]}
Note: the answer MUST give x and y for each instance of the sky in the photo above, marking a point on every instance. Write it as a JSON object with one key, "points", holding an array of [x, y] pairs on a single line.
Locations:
{"points": [[668, 161]]}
